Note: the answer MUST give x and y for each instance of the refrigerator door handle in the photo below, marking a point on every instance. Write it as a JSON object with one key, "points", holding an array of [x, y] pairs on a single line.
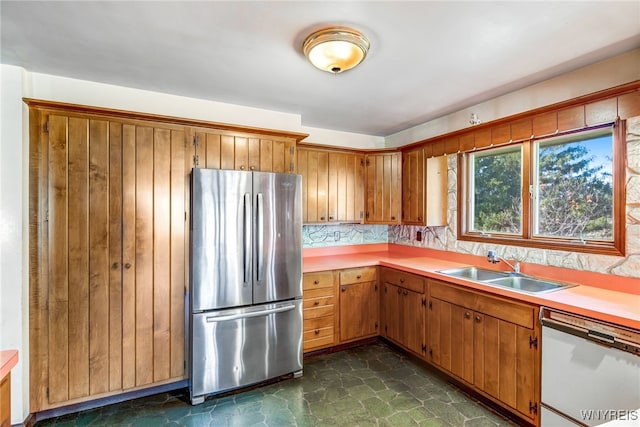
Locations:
{"points": [[247, 238], [260, 236], [212, 319]]}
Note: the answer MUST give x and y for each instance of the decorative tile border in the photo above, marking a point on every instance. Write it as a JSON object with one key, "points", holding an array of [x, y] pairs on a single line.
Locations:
{"points": [[318, 236]]}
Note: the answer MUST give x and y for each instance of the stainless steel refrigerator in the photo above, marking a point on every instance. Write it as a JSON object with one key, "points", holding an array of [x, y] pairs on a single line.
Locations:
{"points": [[246, 279]]}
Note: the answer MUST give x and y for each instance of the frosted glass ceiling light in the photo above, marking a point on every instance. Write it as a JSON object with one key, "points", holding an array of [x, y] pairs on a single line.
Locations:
{"points": [[336, 49]]}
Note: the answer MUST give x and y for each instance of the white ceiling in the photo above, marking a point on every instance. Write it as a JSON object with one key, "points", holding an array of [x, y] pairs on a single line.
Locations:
{"points": [[427, 59]]}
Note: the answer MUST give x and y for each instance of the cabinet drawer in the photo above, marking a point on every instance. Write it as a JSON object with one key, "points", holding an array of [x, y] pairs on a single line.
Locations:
{"points": [[318, 343], [324, 310], [358, 275], [322, 279], [317, 302], [317, 323], [318, 333], [318, 293], [514, 312], [404, 280]]}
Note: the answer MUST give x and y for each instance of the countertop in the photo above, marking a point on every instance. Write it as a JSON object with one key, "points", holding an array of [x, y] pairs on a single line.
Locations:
{"points": [[8, 359], [598, 302]]}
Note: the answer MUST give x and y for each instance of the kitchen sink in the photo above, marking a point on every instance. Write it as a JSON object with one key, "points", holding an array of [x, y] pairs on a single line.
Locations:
{"points": [[474, 273], [515, 281]]}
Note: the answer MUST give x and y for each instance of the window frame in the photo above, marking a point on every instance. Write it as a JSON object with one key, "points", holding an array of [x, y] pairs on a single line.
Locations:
{"points": [[526, 238]]}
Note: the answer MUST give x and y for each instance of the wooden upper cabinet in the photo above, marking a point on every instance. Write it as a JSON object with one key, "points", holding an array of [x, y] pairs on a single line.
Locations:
{"points": [[333, 185], [384, 188], [346, 187], [221, 150], [424, 189], [413, 186], [108, 307]]}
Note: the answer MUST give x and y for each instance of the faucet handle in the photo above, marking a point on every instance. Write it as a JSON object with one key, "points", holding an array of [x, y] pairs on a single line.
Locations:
{"points": [[492, 257]]}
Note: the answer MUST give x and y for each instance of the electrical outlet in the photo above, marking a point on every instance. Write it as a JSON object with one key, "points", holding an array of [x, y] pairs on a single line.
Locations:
{"points": [[419, 236], [336, 235]]}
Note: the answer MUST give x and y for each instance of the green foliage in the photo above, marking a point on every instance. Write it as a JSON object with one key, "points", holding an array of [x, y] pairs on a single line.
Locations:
{"points": [[575, 195], [497, 198]]}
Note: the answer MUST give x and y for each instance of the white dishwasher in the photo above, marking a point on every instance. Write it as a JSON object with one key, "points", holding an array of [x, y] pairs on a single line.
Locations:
{"points": [[590, 372]]}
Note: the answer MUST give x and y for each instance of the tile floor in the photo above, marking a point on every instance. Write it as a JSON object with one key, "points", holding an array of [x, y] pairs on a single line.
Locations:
{"points": [[371, 385]]}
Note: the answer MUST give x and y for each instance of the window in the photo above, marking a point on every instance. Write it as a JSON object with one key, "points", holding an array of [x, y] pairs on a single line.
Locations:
{"points": [[555, 192]]}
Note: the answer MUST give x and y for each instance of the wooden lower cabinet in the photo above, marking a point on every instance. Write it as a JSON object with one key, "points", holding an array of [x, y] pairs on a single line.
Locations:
{"points": [[319, 310], [5, 401], [403, 307], [359, 304], [488, 342]]}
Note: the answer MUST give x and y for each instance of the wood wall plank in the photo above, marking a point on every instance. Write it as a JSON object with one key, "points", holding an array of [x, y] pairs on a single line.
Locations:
{"points": [[212, 157], [58, 261], [179, 228], [129, 347], [144, 256], [161, 254], [98, 257], [115, 256], [78, 267]]}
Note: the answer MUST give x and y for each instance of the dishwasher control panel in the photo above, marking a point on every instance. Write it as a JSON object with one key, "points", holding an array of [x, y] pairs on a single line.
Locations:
{"points": [[596, 330]]}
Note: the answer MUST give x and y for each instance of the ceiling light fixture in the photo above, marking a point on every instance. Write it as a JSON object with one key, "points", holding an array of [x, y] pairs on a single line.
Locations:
{"points": [[336, 49]]}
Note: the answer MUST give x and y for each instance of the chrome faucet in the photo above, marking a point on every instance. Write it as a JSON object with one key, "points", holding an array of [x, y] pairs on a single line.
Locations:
{"points": [[494, 258]]}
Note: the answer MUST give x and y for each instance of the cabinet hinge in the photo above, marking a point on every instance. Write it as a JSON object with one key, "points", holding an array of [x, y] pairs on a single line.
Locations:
{"points": [[385, 329], [430, 305], [424, 302], [291, 167], [367, 215], [367, 162], [361, 214], [361, 162], [196, 160], [533, 342], [196, 140], [430, 352], [375, 288], [185, 365], [533, 407], [291, 150], [376, 325], [424, 348], [47, 393], [46, 129]]}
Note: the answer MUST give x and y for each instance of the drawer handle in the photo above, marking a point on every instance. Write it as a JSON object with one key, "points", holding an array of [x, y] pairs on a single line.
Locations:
{"points": [[401, 280], [316, 303], [344, 289], [252, 167], [419, 218], [405, 293], [127, 266], [478, 319], [241, 167], [331, 218], [358, 276], [316, 282], [317, 331], [467, 315], [321, 218], [393, 218]]}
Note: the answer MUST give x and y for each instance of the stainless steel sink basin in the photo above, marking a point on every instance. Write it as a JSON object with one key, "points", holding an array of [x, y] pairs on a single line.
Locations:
{"points": [[476, 274], [528, 284], [515, 281]]}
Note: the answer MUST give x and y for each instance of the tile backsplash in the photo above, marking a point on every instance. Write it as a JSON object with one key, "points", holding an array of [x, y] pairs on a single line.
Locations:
{"points": [[318, 236]]}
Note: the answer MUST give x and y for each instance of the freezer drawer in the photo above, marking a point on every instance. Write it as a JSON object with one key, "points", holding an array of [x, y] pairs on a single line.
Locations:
{"points": [[239, 347]]}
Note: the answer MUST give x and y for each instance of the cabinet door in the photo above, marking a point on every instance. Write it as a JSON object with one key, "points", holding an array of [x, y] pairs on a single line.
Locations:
{"points": [[505, 362], [313, 165], [413, 186], [346, 187], [154, 240], [390, 311], [358, 311], [412, 324], [115, 256], [451, 338], [436, 193], [384, 188], [221, 150]]}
